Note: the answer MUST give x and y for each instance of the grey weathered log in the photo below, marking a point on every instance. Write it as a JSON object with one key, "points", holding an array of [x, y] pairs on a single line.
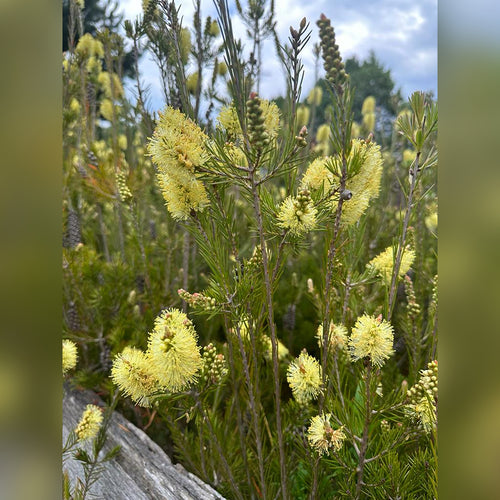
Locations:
{"points": [[140, 471]]}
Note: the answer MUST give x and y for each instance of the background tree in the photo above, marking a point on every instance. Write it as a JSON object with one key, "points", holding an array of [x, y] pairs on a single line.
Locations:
{"points": [[97, 15], [369, 78]]}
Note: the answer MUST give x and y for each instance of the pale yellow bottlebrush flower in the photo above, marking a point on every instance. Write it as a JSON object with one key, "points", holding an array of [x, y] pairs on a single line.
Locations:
{"points": [[94, 65], [371, 337], [268, 353], [222, 68], [177, 144], [74, 105], [315, 96], [355, 130], [122, 141], [88, 46], [192, 82], [317, 175], [369, 121], [364, 185], [303, 114], [214, 29], [185, 44], [337, 338], [104, 80], [431, 222], [89, 424], [304, 378], [182, 194], [177, 148], [173, 351], [383, 264], [321, 435], [368, 105], [323, 133], [106, 109], [409, 155], [228, 119], [132, 373], [297, 214], [69, 355]]}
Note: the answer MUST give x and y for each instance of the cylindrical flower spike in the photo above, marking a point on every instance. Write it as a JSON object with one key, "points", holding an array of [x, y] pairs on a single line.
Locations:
{"points": [[89, 424], [69, 355]]}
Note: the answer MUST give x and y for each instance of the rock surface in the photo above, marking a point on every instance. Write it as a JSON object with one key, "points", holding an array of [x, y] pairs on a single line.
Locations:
{"points": [[140, 471]]}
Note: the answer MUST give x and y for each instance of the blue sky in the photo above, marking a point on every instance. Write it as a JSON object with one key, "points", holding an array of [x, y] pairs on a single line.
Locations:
{"points": [[403, 34]]}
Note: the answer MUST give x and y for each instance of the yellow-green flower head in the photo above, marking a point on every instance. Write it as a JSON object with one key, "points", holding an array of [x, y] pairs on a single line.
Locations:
{"points": [[337, 338], [409, 155], [177, 144], [268, 345], [431, 222], [173, 351], [368, 105], [69, 355], [302, 115], [192, 82], [304, 378], [365, 185], [355, 130], [321, 435], [177, 147], [104, 80], [222, 68], [214, 29], [185, 44], [132, 373], [228, 119], [106, 109], [315, 96], [74, 105], [369, 121], [323, 133], [182, 194], [94, 65], [383, 264], [371, 337], [317, 175], [297, 214], [88, 46], [89, 424], [122, 141]]}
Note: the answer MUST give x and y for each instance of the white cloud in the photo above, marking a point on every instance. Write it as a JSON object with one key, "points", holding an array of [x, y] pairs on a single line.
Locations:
{"points": [[402, 33]]}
